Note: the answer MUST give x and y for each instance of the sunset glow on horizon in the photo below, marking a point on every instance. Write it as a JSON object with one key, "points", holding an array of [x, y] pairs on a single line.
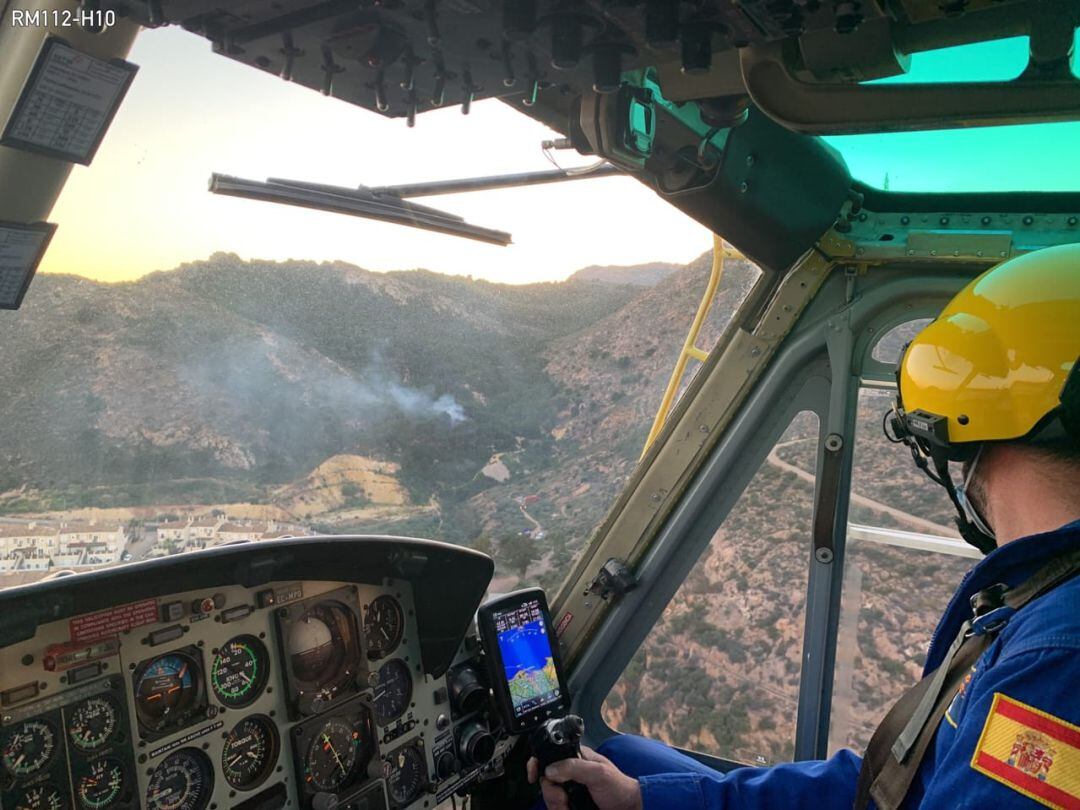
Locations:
{"points": [[143, 205]]}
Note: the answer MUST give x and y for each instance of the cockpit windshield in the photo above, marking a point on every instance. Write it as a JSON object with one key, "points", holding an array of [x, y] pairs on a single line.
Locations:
{"points": [[190, 370]]}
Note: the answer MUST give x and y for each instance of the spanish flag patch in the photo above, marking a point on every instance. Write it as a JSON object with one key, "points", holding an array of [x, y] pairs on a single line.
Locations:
{"points": [[1031, 752]]}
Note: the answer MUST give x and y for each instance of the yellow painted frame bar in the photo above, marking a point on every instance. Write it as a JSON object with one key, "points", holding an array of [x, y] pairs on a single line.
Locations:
{"points": [[689, 348]]}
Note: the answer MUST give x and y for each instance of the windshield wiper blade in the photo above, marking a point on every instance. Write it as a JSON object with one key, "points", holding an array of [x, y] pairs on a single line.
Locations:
{"points": [[354, 202]]}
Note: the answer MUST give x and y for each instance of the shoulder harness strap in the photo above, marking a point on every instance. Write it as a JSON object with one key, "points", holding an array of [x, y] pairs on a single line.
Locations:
{"points": [[900, 742]]}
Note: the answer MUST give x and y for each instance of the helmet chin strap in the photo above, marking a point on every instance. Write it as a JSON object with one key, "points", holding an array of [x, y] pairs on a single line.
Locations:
{"points": [[972, 526]]}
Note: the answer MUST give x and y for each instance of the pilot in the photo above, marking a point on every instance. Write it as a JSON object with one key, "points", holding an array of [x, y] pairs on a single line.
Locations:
{"points": [[993, 384]]}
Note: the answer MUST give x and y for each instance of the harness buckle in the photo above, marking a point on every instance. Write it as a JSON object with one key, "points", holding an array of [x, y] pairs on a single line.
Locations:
{"points": [[988, 599]]}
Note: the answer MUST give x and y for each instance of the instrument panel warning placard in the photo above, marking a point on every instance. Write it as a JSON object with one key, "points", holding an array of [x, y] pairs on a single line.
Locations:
{"points": [[67, 103], [111, 622], [21, 249]]}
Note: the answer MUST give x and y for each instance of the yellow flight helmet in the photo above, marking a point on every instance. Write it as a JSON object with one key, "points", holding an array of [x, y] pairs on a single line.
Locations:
{"points": [[998, 364]]}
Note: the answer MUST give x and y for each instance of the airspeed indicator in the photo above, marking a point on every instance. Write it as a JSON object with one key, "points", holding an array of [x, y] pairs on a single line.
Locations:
{"points": [[239, 671]]}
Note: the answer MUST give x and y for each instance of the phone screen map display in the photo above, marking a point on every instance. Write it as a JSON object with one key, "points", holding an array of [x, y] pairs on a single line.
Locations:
{"points": [[528, 664]]}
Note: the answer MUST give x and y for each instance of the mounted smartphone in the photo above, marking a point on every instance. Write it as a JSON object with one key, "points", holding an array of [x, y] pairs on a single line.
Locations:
{"points": [[523, 659]]}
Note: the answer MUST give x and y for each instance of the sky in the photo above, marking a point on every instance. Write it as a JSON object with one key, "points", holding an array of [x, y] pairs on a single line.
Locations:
{"points": [[143, 204]]}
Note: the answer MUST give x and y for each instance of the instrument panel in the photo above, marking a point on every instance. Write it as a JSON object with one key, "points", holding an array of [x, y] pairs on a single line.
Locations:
{"points": [[308, 693]]}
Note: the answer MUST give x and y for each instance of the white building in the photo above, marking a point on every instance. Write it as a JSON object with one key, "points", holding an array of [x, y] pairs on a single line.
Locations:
{"points": [[237, 532], [96, 544], [28, 537], [185, 535], [33, 547]]}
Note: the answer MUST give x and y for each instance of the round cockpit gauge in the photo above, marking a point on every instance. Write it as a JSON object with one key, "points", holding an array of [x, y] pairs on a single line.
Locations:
{"points": [[166, 688], [250, 752], [333, 755], [239, 671], [93, 722], [323, 647], [28, 747], [384, 624], [393, 692], [41, 797], [102, 785], [406, 774], [183, 781]]}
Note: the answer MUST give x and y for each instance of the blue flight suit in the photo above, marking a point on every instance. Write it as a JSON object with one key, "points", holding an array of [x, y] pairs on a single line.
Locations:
{"points": [[1034, 660]]}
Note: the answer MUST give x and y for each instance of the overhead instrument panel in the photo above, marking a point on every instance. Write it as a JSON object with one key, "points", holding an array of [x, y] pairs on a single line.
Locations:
{"points": [[401, 59], [220, 679]]}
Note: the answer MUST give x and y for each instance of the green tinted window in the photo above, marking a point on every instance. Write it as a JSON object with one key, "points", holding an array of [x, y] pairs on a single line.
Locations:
{"points": [[1034, 157], [1076, 54]]}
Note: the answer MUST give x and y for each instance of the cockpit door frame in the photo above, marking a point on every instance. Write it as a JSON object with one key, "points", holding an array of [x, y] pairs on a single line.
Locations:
{"points": [[838, 331]]}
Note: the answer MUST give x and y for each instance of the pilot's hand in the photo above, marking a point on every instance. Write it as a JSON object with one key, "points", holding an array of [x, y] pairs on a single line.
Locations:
{"points": [[609, 787]]}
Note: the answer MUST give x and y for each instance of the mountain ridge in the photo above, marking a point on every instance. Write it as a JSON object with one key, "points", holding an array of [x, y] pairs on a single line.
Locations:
{"points": [[249, 374], [639, 275]]}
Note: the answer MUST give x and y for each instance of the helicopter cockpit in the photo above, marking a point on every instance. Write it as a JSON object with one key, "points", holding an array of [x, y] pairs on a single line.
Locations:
{"points": [[763, 577]]}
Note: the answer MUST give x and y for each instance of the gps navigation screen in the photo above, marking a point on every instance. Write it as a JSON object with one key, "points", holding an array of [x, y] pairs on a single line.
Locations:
{"points": [[527, 660]]}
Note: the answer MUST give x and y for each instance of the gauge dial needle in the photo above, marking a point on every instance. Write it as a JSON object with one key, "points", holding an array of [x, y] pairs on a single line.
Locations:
{"points": [[329, 746]]}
